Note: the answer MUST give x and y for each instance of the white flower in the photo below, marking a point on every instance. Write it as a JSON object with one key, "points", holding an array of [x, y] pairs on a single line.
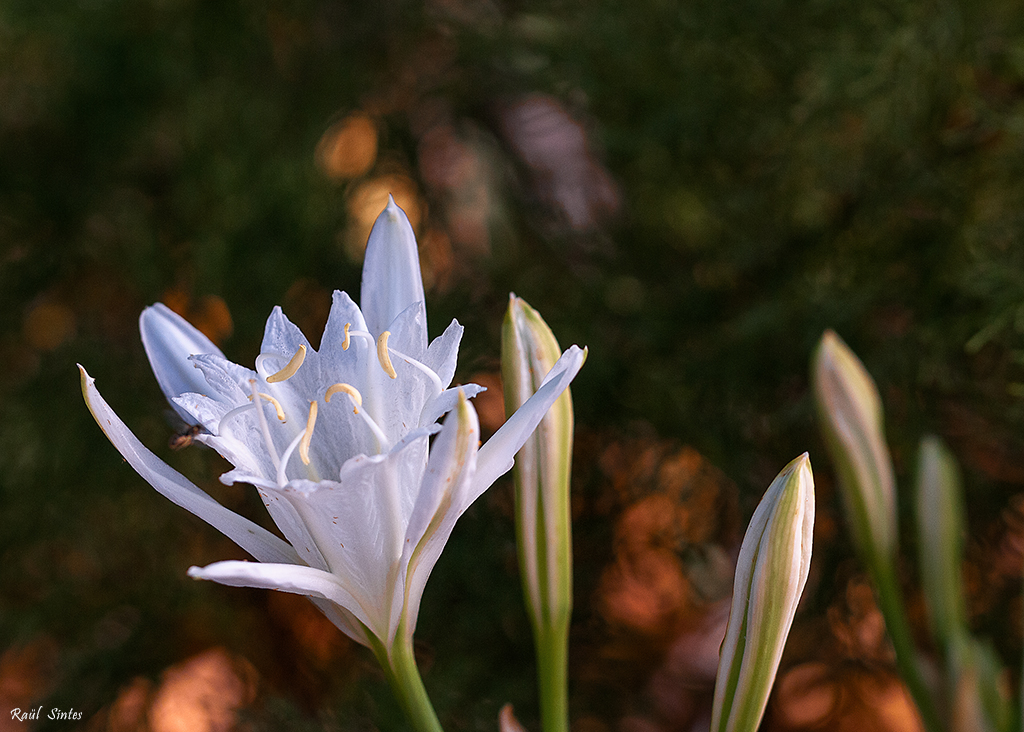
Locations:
{"points": [[337, 441]]}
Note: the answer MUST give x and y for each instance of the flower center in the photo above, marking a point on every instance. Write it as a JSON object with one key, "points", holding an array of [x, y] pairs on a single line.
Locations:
{"points": [[357, 401], [301, 441]]}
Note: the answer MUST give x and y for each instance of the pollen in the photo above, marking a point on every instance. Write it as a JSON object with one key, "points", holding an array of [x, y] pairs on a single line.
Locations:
{"points": [[384, 356], [348, 341], [290, 368], [357, 398], [304, 445], [277, 405]]}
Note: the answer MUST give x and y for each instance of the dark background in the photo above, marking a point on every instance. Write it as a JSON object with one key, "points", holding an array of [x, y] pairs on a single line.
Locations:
{"points": [[694, 190]]}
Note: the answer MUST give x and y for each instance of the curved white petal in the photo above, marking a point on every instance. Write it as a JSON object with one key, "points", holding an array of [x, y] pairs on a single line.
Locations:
{"points": [[295, 578], [446, 401], [256, 540], [391, 273], [442, 496], [497, 454], [169, 340], [344, 620]]}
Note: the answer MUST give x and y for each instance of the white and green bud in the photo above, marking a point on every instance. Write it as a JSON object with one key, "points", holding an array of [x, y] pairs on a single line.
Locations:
{"points": [[940, 539], [543, 522], [850, 410], [771, 572]]}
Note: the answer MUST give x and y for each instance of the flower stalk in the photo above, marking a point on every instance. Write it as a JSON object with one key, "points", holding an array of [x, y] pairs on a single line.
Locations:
{"points": [[403, 675], [940, 539], [850, 413]]}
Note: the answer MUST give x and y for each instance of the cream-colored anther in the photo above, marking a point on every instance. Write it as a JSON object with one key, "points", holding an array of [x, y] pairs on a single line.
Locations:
{"points": [[357, 398], [308, 435], [290, 368], [277, 405], [383, 356], [348, 341]]}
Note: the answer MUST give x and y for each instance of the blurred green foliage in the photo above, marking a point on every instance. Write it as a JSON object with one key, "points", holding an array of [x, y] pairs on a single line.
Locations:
{"points": [[780, 168]]}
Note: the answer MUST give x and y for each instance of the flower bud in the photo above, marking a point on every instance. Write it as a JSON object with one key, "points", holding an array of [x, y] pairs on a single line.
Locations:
{"points": [[543, 528], [850, 411], [542, 468], [771, 572], [940, 538]]}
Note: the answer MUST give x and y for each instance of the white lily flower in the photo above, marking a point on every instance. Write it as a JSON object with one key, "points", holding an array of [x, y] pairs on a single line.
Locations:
{"points": [[337, 441]]}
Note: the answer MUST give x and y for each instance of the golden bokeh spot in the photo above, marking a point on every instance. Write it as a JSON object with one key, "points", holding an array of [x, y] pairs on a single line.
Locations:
{"points": [[348, 148], [209, 313], [806, 696], [203, 694], [49, 324], [437, 260]]}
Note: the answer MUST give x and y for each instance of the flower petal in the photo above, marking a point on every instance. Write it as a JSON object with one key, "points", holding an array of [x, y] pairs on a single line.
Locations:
{"points": [[443, 353], [343, 312], [441, 500], [446, 401], [391, 273], [256, 540], [295, 578], [169, 340], [358, 522], [496, 456]]}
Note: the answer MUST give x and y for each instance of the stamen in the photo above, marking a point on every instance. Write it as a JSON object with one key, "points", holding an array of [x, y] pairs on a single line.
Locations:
{"points": [[228, 416], [282, 478], [357, 398], [382, 439], [290, 368], [384, 353], [277, 406], [264, 427], [345, 343], [357, 401], [383, 356], [422, 367], [304, 445]]}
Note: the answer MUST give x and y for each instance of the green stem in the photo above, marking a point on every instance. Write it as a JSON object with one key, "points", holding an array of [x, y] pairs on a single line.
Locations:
{"points": [[890, 602], [1020, 703], [552, 676], [404, 678]]}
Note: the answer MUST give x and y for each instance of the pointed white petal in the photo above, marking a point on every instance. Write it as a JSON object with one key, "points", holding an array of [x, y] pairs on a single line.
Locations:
{"points": [[169, 340], [343, 312], [443, 353], [441, 500], [391, 273], [253, 538], [295, 578], [497, 454]]}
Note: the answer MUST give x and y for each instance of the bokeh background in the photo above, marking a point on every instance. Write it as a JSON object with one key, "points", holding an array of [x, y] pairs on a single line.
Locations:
{"points": [[694, 190]]}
